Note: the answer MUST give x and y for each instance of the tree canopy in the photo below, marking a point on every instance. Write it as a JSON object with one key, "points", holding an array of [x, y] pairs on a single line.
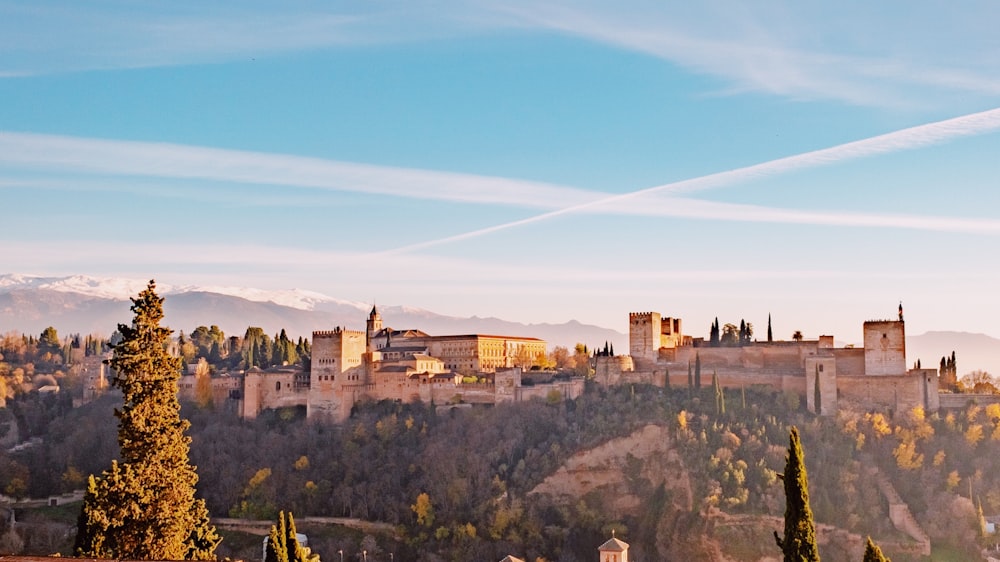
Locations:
{"points": [[799, 542], [144, 506]]}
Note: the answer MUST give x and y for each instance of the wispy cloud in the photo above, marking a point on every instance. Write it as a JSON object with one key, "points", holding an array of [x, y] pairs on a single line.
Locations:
{"points": [[287, 262], [58, 154], [645, 201], [159, 162], [789, 49]]}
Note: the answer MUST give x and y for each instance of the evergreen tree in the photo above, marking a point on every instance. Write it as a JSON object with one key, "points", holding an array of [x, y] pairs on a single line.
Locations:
{"points": [[720, 398], [697, 372], [283, 543], [873, 553], [144, 506], [770, 334], [799, 542], [817, 395], [666, 379], [690, 380], [713, 335]]}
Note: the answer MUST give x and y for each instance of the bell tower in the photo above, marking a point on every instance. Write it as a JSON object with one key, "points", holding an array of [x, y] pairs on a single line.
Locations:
{"points": [[374, 327]]}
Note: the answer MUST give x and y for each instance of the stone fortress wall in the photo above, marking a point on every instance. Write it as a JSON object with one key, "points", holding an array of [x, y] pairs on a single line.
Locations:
{"points": [[375, 364], [872, 377], [379, 363]]}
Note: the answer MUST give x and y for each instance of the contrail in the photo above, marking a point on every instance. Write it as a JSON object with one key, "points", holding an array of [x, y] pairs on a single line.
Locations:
{"points": [[904, 139]]}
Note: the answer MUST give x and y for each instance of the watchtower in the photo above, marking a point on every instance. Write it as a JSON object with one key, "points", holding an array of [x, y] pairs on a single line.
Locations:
{"points": [[885, 347], [644, 335]]}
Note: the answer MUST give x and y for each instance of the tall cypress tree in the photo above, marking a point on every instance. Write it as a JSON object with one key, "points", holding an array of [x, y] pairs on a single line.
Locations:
{"points": [[817, 395], [144, 506], [799, 542], [873, 553], [697, 372], [770, 334], [283, 543]]}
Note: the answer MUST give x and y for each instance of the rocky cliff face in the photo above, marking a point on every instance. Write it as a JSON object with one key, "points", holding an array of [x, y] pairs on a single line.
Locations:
{"points": [[620, 474]]}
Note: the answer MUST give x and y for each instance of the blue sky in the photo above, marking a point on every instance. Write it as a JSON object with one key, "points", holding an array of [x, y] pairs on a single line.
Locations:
{"points": [[539, 162]]}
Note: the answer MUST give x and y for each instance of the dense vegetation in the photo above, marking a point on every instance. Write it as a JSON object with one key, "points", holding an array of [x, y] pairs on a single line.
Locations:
{"points": [[455, 482]]}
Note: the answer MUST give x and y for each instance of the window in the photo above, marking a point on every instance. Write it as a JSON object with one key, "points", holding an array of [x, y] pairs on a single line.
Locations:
{"points": [[277, 386]]}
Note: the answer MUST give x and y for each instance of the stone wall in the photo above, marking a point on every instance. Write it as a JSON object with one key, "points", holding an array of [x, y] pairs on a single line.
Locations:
{"points": [[896, 393]]}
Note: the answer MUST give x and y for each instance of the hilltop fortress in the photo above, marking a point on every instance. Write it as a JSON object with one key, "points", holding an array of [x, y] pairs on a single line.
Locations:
{"points": [[874, 376], [379, 363]]}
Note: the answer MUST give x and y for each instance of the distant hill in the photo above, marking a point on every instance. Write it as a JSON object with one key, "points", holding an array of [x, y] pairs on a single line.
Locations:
{"points": [[85, 305], [972, 351]]}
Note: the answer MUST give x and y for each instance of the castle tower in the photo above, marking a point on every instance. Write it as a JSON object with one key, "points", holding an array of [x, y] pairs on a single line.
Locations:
{"points": [[373, 327], [885, 347], [337, 373], [614, 550], [644, 329]]}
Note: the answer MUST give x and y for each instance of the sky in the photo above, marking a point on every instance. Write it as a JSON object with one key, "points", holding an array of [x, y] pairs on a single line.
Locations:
{"points": [[534, 161]]}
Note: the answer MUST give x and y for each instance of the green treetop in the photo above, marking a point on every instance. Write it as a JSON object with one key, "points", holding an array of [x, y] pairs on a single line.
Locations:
{"points": [[144, 506], [799, 542], [873, 553], [283, 544]]}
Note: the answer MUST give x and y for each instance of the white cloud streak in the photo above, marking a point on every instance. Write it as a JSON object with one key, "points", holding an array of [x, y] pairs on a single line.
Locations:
{"points": [[59, 154], [862, 55], [303, 264], [644, 201], [162, 160]]}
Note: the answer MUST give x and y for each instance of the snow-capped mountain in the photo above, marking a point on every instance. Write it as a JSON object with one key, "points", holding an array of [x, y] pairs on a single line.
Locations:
{"points": [[122, 289], [82, 304]]}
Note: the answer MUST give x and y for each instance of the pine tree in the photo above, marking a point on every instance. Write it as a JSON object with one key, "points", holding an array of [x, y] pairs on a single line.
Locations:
{"points": [[144, 506], [799, 542], [873, 553], [770, 334]]}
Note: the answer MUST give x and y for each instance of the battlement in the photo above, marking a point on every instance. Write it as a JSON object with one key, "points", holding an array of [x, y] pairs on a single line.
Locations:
{"points": [[640, 314], [335, 332], [868, 322]]}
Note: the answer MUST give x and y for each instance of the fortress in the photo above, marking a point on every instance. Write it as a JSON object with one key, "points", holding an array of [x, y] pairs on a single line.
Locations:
{"points": [[874, 376], [380, 363]]}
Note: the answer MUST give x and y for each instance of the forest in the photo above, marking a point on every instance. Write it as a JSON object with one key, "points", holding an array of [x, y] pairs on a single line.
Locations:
{"points": [[455, 483]]}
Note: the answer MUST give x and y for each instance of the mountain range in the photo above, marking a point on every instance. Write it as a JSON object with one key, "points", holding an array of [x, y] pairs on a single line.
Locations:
{"points": [[85, 305]]}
